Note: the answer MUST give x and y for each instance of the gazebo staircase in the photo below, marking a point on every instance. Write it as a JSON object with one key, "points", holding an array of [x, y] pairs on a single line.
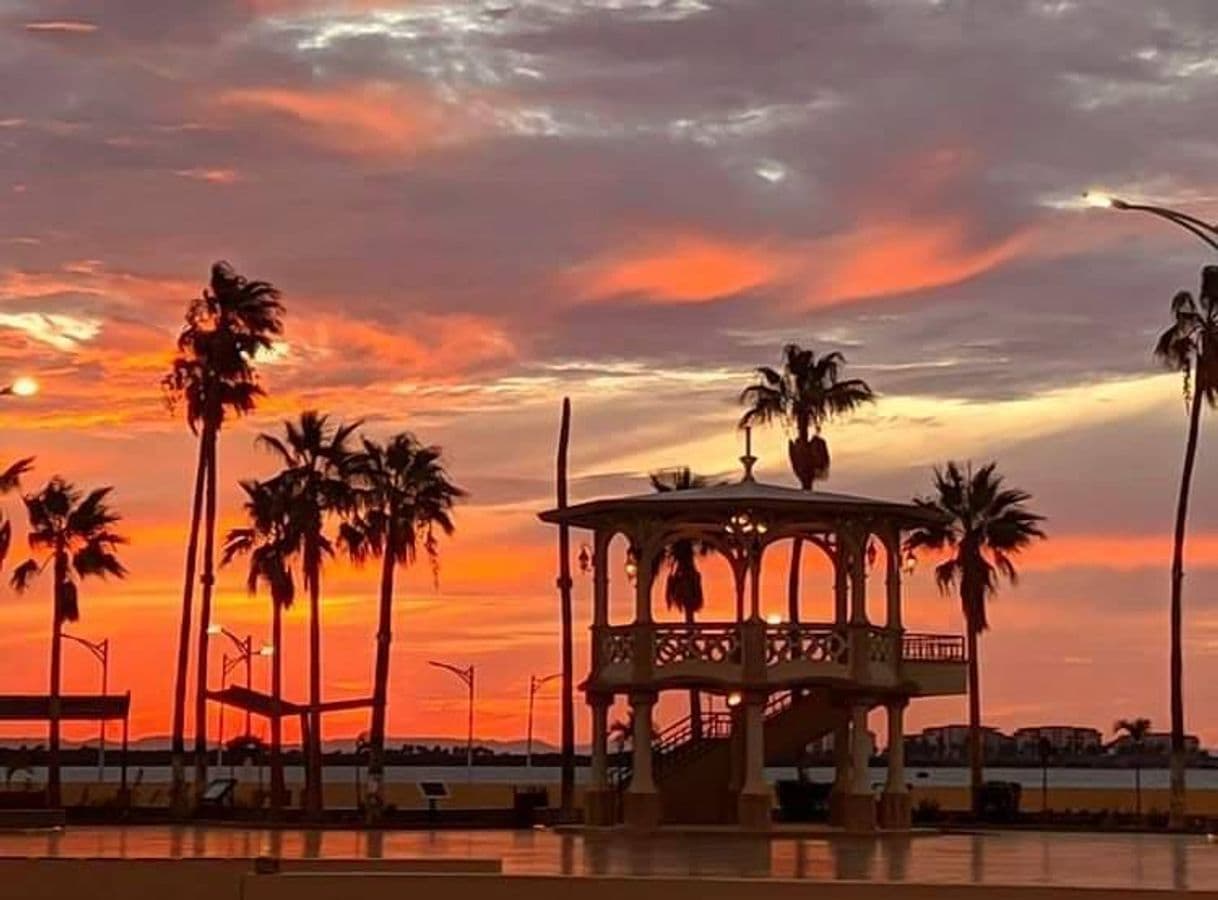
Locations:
{"points": [[694, 773]]}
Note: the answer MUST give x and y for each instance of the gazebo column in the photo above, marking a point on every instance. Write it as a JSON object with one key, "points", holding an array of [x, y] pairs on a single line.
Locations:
{"points": [[754, 802], [642, 798], [598, 800], [600, 578], [859, 805], [895, 801], [841, 773], [841, 580], [859, 630], [892, 581]]}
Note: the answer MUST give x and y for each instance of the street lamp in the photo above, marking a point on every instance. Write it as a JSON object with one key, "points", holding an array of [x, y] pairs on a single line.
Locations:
{"points": [[101, 652], [23, 386], [1206, 231], [245, 655], [535, 683], [467, 676]]}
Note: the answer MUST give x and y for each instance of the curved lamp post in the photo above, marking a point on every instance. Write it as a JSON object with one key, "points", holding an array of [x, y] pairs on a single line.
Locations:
{"points": [[245, 655], [101, 652], [535, 684], [1205, 231], [466, 675]]}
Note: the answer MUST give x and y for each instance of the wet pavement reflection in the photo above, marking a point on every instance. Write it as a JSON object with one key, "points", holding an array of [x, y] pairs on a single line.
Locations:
{"points": [[1018, 858]]}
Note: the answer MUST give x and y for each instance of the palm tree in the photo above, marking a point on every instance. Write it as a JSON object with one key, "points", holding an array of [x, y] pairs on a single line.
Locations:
{"points": [[806, 394], [982, 524], [74, 535], [683, 586], [1137, 729], [10, 480], [406, 501], [621, 732], [319, 475], [212, 376], [1190, 346], [267, 540]]}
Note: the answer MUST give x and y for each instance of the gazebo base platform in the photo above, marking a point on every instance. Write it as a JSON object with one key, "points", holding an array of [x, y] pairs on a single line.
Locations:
{"points": [[753, 811], [599, 807], [642, 810], [858, 813], [895, 811]]}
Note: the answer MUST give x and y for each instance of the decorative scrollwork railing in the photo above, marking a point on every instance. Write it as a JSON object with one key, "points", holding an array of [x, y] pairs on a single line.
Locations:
{"points": [[617, 646], [881, 646], [933, 648], [702, 642], [814, 643]]}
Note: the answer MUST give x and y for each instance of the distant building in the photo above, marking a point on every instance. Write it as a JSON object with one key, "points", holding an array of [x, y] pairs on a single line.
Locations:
{"points": [[1064, 740], [1157, 743], [949, 743], [822, 748]]}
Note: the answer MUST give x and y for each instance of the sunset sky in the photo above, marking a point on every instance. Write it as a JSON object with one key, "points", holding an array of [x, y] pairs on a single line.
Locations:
{"points": [[474, 208]]}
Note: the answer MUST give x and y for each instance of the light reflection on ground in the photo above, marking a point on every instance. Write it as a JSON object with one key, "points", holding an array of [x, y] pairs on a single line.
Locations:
{"points": [[1146, 861]]}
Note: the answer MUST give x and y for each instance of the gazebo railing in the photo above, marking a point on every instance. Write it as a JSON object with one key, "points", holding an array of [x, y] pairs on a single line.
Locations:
{"points": [[705, 642], [825, 643], [932, 648]]}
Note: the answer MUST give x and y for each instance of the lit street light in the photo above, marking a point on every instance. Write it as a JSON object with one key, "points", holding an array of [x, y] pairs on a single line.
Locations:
{"points": [[467, 676], [21, 387], [101, 652], [535, 683], [1206, 231]]}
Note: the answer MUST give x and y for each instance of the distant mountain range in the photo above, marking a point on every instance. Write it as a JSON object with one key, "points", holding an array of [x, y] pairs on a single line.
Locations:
{"points": [[162, 742]]}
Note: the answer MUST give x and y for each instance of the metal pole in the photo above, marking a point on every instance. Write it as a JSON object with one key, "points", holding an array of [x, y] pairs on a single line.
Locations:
{"points": [[528, 753], [101, 743], [249, 675], [223, 708], [469, 745]]}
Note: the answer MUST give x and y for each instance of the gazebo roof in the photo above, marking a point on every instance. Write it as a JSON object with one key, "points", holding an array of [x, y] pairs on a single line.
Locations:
{"points": [[793, 505]]}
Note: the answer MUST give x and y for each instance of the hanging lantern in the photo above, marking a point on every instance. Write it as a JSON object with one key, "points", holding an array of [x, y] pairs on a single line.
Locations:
{"points": [[585, 558], [873, 552], [632, 566]]}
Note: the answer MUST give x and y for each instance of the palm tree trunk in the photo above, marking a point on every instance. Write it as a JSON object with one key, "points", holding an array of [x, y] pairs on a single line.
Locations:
{"points": [[313, 800], [695, 698], [208, 584], [54, 794], [797, 553], [178, 740], [1178, 760], [380, 690], [277, 783], [976, 756], [567, 789]]}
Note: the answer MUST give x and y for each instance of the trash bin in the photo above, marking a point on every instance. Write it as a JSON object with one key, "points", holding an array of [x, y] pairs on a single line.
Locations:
{"points": [[998, 801], [525, 804]]}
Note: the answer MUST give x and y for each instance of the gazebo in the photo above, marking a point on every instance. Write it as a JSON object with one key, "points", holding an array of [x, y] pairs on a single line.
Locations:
{"points": [[786, 683]]}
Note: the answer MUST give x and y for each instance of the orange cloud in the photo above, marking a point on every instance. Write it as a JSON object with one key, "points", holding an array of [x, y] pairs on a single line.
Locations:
{"points": [[1122, 553], [215, 176], [64, 26], [372, 118], [686, 269], [897, 257]]}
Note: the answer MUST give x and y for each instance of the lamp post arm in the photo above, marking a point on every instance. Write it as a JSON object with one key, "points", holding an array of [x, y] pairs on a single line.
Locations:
{"points": [[1203, 230], [466, 674]]}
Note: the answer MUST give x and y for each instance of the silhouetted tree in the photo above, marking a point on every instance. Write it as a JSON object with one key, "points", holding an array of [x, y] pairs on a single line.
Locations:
{"points": [[982, 525], [1137, 729], [803, 396], [1190, 346], [212, 377], [74, 535], [319, 476], [406, 501], [268, 541], [683, 586], [10, 480]]}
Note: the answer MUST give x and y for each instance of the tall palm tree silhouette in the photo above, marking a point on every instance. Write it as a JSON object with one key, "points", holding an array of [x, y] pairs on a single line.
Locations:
{"points": [[803, 396], [212, 377], [268, 541], [73, 535], [982, 525], [1189, 345], [10, 480], [683, 586], [319, 476], [406, 501]]}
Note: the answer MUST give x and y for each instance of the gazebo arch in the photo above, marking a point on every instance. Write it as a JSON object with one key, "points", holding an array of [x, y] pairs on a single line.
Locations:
{"points": [[788, 683]]}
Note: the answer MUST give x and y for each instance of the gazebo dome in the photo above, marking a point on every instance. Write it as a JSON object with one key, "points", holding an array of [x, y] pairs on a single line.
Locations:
{"points": [[777, 501]]}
